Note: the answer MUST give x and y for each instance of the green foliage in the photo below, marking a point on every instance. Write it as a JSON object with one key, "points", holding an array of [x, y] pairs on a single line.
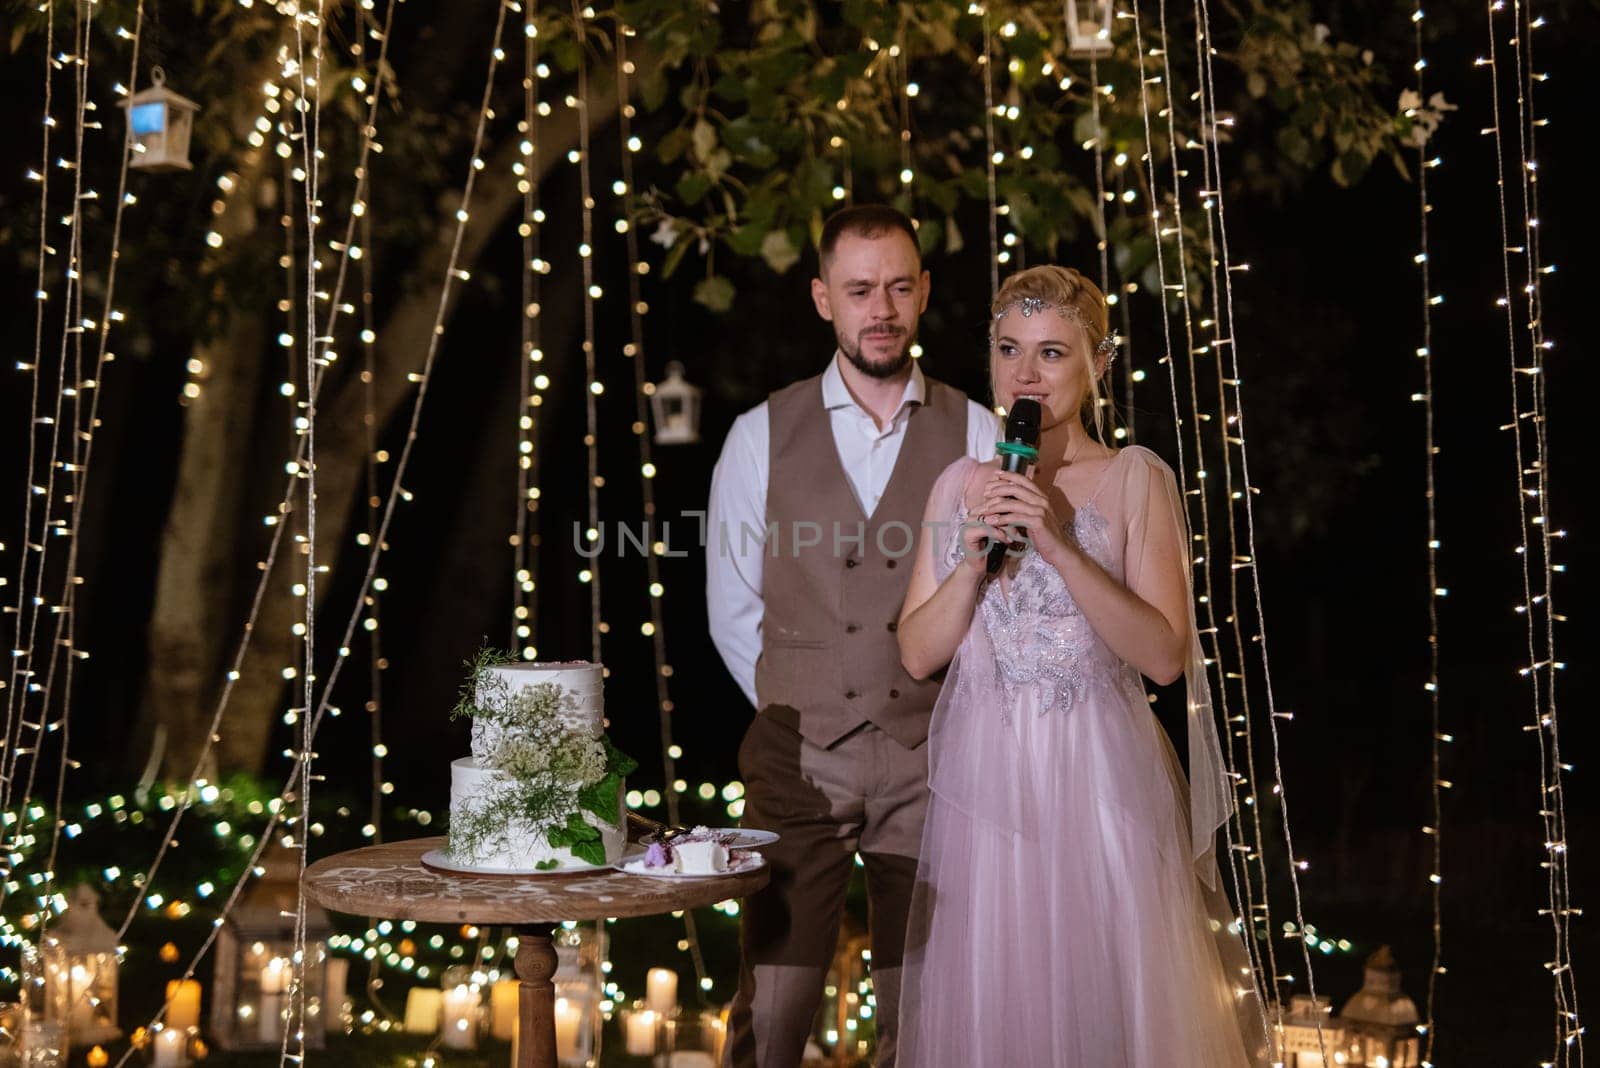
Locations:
{"points": [[785, 105]]}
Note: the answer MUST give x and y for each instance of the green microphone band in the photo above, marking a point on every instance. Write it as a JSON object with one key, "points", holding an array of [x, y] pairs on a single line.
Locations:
{"points": [[1016, 448]]}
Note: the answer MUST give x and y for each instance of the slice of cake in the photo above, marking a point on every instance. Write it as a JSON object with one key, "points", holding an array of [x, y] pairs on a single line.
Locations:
{"points": [[542, 789], [701, 851]]}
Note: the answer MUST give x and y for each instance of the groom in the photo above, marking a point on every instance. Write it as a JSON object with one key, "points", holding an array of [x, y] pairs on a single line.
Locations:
{"points": [[815, 507]]}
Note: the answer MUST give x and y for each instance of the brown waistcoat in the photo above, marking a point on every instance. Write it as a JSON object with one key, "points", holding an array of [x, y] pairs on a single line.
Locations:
{"points": [[830, 660]]}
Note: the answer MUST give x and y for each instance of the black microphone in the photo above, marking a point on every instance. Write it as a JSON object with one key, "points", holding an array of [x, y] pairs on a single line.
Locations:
{"points": [[1020, 449]]}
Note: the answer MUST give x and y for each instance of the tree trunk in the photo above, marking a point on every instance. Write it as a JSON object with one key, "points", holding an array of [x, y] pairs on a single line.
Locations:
{"points": [[177, 664], [196, 572]]}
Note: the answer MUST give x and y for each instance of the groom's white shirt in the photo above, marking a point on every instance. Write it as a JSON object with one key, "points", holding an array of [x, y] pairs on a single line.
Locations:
{"points": [[739, 502]]}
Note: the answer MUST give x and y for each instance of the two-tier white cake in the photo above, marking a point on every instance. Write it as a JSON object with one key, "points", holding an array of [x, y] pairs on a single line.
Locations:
{"points": [[542, 789]]}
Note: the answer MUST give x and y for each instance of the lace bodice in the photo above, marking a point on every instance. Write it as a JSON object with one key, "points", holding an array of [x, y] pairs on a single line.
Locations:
{"points": [[1040, 637]]}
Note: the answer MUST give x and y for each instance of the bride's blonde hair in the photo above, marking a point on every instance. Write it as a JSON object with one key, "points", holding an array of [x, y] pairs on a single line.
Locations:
{"points": [[1077, 299]]}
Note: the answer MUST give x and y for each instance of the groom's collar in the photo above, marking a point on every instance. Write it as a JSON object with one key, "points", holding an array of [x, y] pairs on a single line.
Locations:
{"points": [[835, 394]]}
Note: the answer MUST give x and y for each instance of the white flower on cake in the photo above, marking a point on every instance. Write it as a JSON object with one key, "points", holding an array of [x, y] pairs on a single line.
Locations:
{"points": [[543, 787]]}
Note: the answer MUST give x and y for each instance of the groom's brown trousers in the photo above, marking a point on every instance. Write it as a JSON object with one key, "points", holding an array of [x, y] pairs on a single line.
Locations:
{"points": [[867, 794]]}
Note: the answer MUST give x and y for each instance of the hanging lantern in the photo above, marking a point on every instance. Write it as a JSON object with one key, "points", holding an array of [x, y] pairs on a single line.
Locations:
{"points": [[252, 989], [70, 978], [1089, 27], [675, 404], [159, 122]]}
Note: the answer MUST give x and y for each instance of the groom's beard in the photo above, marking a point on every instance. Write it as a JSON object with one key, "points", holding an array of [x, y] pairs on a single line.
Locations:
{"points": [[886, 366]]}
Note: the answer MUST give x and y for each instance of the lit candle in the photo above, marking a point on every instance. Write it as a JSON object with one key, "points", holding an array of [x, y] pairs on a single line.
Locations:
{"points": [[183, 1004], [422, 1010], [80, 1011], [274, 981], [641, 1036], [661, 990], [98, 1058], [569, 1017], [503, 1009], [275, 976], [171, 1048], [459, 1029]]}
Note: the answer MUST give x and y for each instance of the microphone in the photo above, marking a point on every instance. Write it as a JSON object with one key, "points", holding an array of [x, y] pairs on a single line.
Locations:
{"points": [[1020, 449]]}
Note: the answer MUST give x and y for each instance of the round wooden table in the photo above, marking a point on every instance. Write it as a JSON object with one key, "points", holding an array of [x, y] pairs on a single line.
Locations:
{"points": [[389, 881]]}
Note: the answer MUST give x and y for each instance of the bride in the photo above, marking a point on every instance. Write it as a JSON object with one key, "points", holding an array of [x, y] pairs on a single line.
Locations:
{"points": [[1066, 910]]}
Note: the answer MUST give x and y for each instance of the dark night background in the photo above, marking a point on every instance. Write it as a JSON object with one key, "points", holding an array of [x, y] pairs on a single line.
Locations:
{"points": [[1328, 317]]}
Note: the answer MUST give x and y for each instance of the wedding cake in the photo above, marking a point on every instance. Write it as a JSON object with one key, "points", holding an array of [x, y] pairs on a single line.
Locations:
{"points": [[542, 789]]}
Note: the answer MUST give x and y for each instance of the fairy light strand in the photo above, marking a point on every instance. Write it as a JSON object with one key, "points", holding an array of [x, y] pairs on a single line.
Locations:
{"points": [[24, 677], [1204, 562], [987, 62], [13, 739], [71, 349], [654, 592], [1243, 724], [1435, 829], [74, 326], [1211, 123], [593, 387], [1540, 345], [1545, 725], [310, 113], [314, 721], [525, 545], [1198, 490], [451, 273], [86, 434]]}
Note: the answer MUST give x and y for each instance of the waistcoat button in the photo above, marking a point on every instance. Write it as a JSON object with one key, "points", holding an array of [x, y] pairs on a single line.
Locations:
{"points": [[894, 693], [851, 628], [850, 695]]}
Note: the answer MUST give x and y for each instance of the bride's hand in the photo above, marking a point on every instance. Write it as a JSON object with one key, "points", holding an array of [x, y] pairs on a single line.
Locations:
{"points": [[1011, 501], [978, 535]]}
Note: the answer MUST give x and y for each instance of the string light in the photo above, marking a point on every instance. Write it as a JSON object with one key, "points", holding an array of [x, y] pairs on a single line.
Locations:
{"points": [[310, 113], [908, 89], [525, 545], [301, 758], [21, 654], [987, 62], [1228, 344], [593, 386], [1541, 649], [1435, 830], [1102, 237], [654, 591], [73, 327], [1201, 560]]}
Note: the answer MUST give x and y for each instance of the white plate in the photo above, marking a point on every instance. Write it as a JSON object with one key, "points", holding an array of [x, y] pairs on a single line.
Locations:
{"points": [[744, 837], [738, 863], [441, 860]]}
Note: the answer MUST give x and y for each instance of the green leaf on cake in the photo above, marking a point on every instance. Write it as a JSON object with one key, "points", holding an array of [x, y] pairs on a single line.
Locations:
{"points": [[618, 763], [579, 838], [601, 798], [592, 852]]}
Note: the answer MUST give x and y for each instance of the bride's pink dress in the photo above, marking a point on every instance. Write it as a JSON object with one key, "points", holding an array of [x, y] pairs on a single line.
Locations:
{"points": [[1065, 916]]}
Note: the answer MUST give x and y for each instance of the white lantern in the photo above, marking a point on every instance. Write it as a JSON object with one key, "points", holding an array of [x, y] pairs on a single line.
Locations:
{"points": [[675, 404], [1089, 27], [70, 978], [159, 123]]}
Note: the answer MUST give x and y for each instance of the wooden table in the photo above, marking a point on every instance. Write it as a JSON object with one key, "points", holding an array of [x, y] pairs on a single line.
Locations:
{"points": [[390, 881]]}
